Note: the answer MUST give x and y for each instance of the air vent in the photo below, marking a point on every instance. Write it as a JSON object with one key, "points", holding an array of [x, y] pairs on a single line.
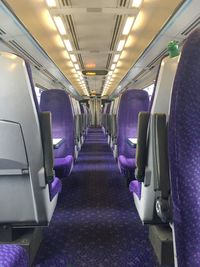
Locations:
{"points": [[94, 10], [74, 37], [25, 53], [2, 32], [114, 38], [140, 75], [191, 27], [156, 59], [49, 75], [94, 51], [65, 2]]}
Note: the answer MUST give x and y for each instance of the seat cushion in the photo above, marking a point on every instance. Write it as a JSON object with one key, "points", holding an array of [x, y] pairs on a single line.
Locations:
{"points": [[127, 166], [13, 256], [63, 166], [55, 187], [135, 187]]}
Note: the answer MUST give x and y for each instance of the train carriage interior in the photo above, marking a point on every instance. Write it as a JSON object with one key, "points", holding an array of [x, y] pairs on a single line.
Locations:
{"points": [[99, 133]]}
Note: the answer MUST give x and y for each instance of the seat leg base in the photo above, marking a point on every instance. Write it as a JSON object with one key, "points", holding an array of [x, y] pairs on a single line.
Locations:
{"points": [[161, 240]]}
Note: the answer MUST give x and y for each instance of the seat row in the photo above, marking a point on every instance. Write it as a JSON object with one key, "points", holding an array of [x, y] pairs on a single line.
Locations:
{"points": [[163, 162], [39, 144]]}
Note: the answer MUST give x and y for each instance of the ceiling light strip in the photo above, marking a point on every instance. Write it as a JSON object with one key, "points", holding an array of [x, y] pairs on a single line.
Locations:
{"points": [[68, 45], [136, 3], [121, 45], [60, 25], [128, 25], [51, 3]]}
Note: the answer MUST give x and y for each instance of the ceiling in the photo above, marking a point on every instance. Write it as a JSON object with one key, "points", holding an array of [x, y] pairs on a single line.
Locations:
{"points": [[94, 29]]}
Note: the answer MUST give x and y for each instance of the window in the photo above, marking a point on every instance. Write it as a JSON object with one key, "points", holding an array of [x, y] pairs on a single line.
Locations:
{"points": [[38, 92], [149, 89]]}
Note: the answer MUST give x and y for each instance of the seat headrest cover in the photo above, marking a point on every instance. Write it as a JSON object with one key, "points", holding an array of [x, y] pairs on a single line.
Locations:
{"points": [[58, 103], [184, 153], [132, 102]]}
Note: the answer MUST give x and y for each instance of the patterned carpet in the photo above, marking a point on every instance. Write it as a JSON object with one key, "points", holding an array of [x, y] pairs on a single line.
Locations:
{"points": [[95, 223]]}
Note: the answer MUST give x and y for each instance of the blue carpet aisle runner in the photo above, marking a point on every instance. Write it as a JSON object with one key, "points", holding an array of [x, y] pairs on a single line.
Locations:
{"points": [[95, 223]]}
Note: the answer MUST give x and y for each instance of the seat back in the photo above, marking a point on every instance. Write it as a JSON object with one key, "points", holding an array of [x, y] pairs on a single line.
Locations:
{"points": [[58, 103], [83, 118], [103, 116], [24, 188], [132, 102], [184, 153], [77, 135], [109, 119], [150, 183], [114, 119]]}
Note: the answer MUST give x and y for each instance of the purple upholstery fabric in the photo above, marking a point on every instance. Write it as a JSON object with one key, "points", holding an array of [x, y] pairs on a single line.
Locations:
{"points": [[58, 103], [126, 166], [55, 187], [13, 256], [184, 153], [63, 166], [135, 187], [132, 102]]}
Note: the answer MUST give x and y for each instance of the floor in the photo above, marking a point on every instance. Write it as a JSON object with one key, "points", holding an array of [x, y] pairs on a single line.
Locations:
{"points": [[95, 223]]}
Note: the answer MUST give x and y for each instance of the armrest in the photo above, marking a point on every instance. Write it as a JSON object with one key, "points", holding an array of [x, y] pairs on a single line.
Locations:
{"points": [[160, 150], [45, 124], [141, 148], [161, 173]]}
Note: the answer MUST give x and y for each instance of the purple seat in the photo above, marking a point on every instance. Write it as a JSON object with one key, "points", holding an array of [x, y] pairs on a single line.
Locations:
{"points": [[13, 256], [58, 103], [184, 153], [105, 113], [135, 187], [55, 187], [132, 102]]}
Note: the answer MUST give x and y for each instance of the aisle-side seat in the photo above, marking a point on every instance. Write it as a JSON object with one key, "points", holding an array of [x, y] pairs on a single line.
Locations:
{"points": [[109, 122], [88, 117], [26, 154], [113, 141], [58, 103], [151, 155], [13, 256], [184, 154], [83, 119], [103, 117], [80, 126], [132, 102], [77, 131]]}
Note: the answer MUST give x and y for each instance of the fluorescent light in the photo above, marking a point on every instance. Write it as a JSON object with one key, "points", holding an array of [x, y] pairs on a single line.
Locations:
{"points": [[113, 66], [73, 58], [120, 45], [51, 3], [110, 73], [76, 66], [60, 25], [79, 73], [68, 45], [136, 3], [128, 25], [116, 58]]}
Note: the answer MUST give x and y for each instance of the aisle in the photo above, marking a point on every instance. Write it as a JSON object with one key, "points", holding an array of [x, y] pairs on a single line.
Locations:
{"points": [[95, 223]]}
